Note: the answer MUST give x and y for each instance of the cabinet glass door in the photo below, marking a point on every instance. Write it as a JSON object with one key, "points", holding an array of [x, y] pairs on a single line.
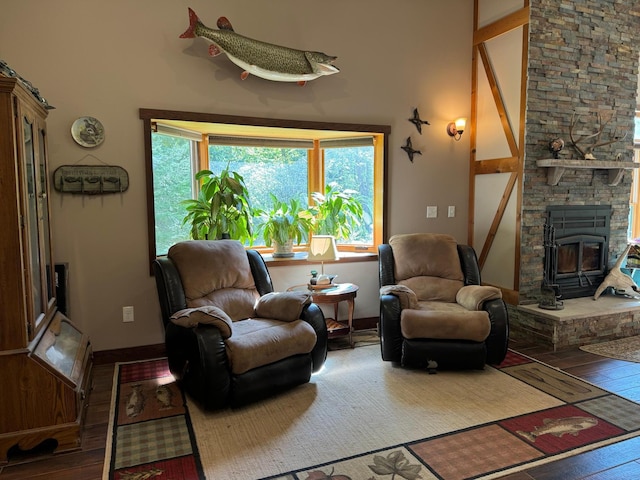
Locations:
{"points": [[43, 214], [62, 346], [33, 233]]}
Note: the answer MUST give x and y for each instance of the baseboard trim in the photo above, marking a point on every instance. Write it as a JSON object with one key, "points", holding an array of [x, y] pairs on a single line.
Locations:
{"points": [[131, 354], [365, 323]]}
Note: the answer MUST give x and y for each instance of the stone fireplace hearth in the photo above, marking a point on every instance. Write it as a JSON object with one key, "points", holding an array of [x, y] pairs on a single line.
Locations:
{"points": [[582, 321], [579, 63], [584, 256]]}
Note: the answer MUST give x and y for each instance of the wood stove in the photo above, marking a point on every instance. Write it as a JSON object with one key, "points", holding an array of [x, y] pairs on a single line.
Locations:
{"points": [[580, 248]]}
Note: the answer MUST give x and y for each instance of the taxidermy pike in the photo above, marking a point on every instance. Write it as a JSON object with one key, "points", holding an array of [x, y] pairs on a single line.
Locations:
{"points": [[265, 60]]}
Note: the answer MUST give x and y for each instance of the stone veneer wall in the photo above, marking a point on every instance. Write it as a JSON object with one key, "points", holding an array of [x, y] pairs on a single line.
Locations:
{"points": [[583, 56]]}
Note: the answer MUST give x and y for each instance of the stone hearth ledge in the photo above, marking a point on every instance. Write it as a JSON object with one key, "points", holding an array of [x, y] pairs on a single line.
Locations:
{"points": [[582, 321]]}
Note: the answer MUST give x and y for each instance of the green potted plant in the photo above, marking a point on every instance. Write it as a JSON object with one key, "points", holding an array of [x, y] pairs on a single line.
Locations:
{"points": [[336, 212], [283, 224], [222, 209]]}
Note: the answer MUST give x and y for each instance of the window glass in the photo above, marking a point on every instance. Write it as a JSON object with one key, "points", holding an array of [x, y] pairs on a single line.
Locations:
{"points": [[172, 183], [283, 172], [280, 171], [352, 168]]}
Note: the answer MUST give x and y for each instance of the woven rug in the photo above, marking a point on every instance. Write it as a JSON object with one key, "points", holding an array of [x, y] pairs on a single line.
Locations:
{"points": [[150, 434], [361, 418], [621, 349]]}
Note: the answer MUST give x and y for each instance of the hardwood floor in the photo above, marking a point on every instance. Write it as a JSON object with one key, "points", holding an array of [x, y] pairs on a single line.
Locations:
{"points": [[620, 461]]}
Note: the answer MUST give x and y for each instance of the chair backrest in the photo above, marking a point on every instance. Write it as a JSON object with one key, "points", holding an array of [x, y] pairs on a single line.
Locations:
{"points": [[216, 272], [429, 264]]}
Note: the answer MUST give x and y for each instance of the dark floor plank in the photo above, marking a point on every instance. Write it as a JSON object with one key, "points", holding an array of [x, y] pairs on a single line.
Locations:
{"points": [[619, 384], [84, 465], [518, 476], [632, 394], [573, 358], [610, 369], [589, 463], [97, 414], [94, 436], [628, 471]]}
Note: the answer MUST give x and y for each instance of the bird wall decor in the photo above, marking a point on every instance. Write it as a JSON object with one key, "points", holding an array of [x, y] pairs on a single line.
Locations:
{"points": [[408, 147], [417, 121]]}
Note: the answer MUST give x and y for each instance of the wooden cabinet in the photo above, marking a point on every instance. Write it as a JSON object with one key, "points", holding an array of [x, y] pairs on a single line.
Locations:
{"points": [[45, 361]]}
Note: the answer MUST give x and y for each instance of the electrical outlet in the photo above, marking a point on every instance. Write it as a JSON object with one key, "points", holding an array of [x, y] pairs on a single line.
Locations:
{"points": [[432, 212], [127, 314], [451, 212]]}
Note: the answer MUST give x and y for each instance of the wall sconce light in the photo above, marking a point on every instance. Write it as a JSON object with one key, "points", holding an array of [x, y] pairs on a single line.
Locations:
{"points": [[455, 129]]}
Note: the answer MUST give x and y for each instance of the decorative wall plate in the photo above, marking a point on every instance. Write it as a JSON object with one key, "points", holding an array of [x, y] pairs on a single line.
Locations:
{"points": [[88, 132]]}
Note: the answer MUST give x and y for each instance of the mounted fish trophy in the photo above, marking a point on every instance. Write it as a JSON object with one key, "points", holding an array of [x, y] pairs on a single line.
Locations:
{"points": [[264, 60]]}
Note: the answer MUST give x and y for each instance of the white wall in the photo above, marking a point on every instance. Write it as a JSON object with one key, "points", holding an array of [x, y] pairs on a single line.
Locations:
{"points": [[108, 59], [363, 274]]}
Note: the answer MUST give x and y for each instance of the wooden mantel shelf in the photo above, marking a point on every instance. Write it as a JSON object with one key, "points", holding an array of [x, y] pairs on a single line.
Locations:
{"points": [[557, 167]]}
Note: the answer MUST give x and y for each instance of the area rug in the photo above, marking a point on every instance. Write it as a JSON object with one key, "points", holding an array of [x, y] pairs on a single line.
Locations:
{"points": [[621, 349], [361, 418], [150, 434]]}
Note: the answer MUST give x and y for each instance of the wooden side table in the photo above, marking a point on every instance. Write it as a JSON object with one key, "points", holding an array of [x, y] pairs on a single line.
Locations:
{"points": [[334, 294]]}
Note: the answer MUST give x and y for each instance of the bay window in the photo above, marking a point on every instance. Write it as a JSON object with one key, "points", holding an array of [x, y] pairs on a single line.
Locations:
{"points": [[290, 160]]}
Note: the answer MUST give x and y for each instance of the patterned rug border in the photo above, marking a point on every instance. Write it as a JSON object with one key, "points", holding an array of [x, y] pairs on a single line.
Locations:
{"points": [[108, 467], [293, 475], [510, 367], [514, 468]]}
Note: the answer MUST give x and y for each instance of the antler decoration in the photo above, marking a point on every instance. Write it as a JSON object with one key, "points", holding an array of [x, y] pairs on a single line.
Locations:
{"points": [[587, 152], [621, 282]]}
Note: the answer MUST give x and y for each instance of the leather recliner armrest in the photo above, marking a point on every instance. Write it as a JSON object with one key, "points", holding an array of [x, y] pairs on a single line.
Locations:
{"points": [[170, 292], [312, 314], [498, 340], [390, 333], [197, 356]]}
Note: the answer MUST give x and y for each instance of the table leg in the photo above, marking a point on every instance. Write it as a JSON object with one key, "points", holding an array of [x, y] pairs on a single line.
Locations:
{"points": [[351, 305]]}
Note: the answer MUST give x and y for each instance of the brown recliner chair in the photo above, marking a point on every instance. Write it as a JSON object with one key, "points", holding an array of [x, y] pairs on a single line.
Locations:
{"points": [[230, 339], [433, 311]]}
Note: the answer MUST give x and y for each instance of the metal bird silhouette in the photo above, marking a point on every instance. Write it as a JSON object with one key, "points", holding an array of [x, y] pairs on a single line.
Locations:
{"points": [[410, 150], [417, 121]]}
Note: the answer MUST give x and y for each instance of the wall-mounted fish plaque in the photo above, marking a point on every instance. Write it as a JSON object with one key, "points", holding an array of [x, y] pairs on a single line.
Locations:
{"points": [[264, 60], [90, 179]]}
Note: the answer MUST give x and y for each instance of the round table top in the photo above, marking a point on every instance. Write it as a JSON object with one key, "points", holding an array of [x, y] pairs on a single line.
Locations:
{"points": [[331, 290]]}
